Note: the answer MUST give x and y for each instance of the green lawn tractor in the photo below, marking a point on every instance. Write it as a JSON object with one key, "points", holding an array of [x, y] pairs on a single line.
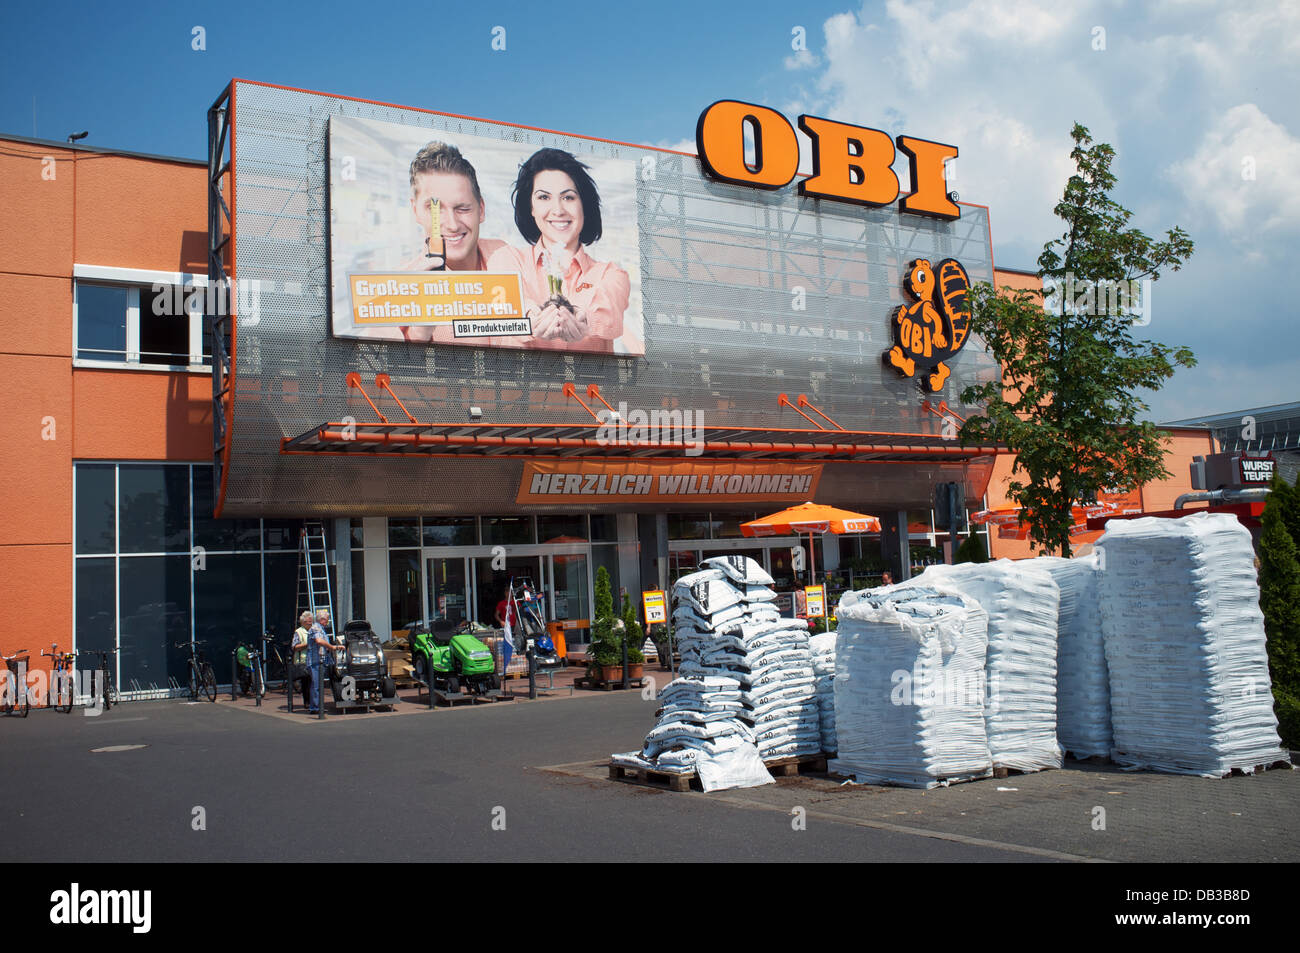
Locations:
{"points": [[452, 662]]}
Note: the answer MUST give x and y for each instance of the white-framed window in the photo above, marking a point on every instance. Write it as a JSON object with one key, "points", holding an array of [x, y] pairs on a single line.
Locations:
{"points": [[136, 318]]}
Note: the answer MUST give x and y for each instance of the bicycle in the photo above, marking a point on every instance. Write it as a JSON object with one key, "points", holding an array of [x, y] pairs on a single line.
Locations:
{"points": [[202, 678], [16, 682], [63, 679], [251, 676], [107, 684]]}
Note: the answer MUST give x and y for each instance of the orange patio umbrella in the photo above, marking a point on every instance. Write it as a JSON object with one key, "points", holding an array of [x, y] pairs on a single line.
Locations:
{"points": [[810, 518]]}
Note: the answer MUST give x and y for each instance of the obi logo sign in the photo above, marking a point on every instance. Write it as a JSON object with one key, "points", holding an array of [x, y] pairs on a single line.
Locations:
{"points": [[934, 327], [850, 163]]}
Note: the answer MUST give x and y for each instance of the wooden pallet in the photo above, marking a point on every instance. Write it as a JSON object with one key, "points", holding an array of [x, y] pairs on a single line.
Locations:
{"points": [[1241, 773], [792, 766], [999, 772], [649, 777]]}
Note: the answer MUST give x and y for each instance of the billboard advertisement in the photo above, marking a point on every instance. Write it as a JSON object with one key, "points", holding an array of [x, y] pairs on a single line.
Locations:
{"points": [[467, 240]]}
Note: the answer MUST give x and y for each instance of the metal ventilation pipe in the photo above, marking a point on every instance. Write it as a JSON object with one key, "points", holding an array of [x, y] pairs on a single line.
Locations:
{"points": [[1223, 496]]}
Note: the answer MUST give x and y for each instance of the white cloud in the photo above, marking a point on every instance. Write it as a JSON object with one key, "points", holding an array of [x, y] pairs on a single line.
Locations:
{"points": [[801, 60], [1245, 173]]}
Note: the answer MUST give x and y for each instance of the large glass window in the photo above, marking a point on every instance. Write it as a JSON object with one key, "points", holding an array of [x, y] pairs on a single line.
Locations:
{"points": [[134, 325], [220, 535], [154, 509], [450, 531], [227, 609], [281, 593], [562, 529], [504, 530], [96, 617], [688, 525], [403, 532], [155, 615], [101, 322], [96, 509]]}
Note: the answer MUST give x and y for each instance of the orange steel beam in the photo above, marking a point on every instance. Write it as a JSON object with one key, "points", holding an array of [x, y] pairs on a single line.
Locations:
{"points": [[594, 391], [943, 411], [354, 380], [803, 401], [783, 401], [570, 391], [598, 425], [384, 382], [469, 440]]}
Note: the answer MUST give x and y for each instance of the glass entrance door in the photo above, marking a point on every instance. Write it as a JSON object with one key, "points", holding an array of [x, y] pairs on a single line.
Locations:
{"points": [[449, 595], [490, 584], [569, 599]]}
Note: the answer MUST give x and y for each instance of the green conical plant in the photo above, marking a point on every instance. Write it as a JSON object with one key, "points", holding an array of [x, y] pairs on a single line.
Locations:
{"points": [[1279, 598], [633, 633], [971, 550], [606, 648]]}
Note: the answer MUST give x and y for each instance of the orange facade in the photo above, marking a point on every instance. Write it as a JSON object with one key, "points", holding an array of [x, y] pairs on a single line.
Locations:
{"points": [[63, 207]]}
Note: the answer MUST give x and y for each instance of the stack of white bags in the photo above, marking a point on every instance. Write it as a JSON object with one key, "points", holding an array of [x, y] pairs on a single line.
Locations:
{"points": [[1184, 638], [909, 687], [823, 663], [1022, 604], [1082, 682], [746, 691], [726, 625]]}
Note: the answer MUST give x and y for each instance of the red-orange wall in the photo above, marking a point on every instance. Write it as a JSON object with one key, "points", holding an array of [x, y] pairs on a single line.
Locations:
{"points": [[61, 207]]}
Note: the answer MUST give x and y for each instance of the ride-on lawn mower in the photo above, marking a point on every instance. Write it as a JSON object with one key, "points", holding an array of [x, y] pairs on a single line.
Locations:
{"points": [[360, 675], [451, 662]]}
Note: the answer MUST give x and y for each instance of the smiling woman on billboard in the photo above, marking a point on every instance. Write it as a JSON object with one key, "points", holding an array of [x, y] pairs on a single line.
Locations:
{"points": [[571, 298]]}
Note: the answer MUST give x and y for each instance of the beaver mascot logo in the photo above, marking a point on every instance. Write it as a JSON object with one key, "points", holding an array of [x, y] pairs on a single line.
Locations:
{"points": [[932, 329]]}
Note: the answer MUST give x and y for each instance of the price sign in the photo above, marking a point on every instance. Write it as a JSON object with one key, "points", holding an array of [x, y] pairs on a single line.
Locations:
{"points": [[655, 606], [815, 598]]}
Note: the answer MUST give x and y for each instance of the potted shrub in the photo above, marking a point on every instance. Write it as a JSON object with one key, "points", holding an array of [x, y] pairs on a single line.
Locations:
{"points": [[635, 638], [605, 653]]}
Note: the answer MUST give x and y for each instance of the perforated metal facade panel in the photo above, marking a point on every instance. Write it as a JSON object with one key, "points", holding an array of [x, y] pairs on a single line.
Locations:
{"points": [[720, 267]]}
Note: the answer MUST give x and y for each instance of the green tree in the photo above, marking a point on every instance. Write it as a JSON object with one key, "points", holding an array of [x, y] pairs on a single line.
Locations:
{"points": [[1067, 404], [632, 632], [1279, 598], [971, 550], [606, 648]]}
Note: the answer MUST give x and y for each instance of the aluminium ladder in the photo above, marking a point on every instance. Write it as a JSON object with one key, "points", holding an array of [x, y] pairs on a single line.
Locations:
{"points": [[314, 591]]}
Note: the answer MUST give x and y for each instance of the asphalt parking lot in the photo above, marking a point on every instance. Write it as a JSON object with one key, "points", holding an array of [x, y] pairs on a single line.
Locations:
{"points": [[178, 781]]}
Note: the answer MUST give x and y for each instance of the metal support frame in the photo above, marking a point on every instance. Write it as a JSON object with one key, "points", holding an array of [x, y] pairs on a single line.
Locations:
{"points": [[221, 230]]}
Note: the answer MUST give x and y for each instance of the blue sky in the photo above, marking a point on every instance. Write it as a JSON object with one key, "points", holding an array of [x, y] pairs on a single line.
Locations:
{"points": [[1198, 98]]}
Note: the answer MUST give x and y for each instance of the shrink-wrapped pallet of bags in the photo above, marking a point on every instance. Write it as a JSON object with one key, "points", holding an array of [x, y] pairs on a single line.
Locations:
{"points": [[823, 662], [1022, 604], [1082, 681], [1185, 646], [909, 687]]}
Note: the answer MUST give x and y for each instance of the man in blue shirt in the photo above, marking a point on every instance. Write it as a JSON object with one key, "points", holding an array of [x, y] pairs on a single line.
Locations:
{"points": [[319, 657]]}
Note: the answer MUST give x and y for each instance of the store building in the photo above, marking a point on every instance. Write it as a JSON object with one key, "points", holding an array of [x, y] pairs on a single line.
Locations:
{"points": [[169, 433]]}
